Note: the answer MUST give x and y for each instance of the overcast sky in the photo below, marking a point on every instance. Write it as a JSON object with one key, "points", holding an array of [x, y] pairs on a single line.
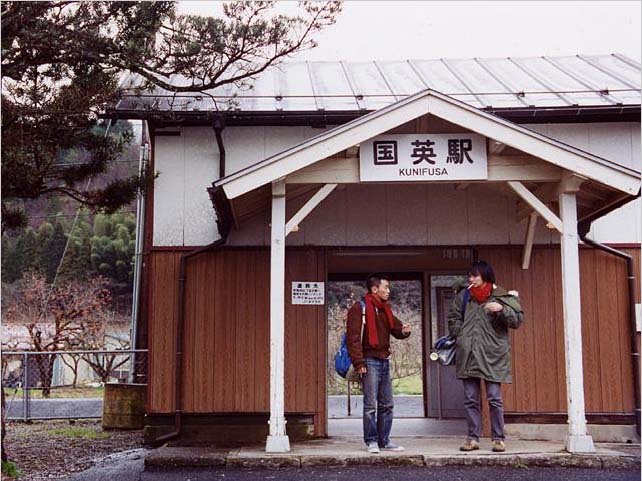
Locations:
{"points": [[389, 30]]}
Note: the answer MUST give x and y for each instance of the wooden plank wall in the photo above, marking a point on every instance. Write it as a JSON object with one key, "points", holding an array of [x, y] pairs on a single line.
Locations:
{"points": [[539, 383], [162, 310], [226, 359], [305, 341], [227, 332], [636, 253]]}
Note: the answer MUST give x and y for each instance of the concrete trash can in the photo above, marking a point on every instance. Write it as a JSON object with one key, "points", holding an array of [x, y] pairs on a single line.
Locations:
{"points": [[124, 406]]}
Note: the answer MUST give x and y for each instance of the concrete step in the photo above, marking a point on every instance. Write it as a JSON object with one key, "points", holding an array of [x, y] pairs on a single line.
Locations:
{"points": [[419, 452]]}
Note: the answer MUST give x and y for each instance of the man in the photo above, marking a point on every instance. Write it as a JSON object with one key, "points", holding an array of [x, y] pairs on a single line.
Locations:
{"points": [[370, 357], [481, 325]]}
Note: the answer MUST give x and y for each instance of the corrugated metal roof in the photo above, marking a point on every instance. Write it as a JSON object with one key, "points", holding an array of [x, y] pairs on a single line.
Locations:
{"points": [[498, 83]]}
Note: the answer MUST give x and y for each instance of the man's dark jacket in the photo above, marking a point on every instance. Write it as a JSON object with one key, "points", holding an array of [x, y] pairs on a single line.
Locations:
{"points": [[359, 350]]}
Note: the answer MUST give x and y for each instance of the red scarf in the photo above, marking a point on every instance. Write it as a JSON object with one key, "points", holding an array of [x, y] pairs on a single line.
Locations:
{"points": [[481, 293], [371, 320]]}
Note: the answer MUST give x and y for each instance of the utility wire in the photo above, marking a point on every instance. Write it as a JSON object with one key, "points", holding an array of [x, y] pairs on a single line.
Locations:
{"points": [[73, 226], [85, 214], [69, 164]]}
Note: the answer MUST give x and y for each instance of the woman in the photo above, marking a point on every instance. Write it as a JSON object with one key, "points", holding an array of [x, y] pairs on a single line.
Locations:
{"points": [[483, 348]]}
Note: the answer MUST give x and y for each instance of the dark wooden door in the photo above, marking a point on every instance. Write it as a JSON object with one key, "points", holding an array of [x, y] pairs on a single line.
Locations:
{"points": [[450, 391]]}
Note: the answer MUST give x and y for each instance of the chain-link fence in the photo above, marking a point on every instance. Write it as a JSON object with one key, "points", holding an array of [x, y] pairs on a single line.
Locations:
{"points": [[65, 384]]}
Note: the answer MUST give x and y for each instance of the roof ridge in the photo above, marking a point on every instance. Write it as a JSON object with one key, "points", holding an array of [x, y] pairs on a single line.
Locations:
{"points": [[437, 59]]}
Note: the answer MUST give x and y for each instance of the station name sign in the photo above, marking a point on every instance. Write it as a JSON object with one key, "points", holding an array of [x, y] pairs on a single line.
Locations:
{"points": [[423, 157]]}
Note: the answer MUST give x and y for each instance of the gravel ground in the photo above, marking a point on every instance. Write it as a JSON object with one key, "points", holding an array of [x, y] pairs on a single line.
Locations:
{"points": [[55, 449]]}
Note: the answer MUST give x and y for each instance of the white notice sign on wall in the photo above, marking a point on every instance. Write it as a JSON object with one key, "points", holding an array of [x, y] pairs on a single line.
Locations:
{"points": [[304, 292], [423, 157]]}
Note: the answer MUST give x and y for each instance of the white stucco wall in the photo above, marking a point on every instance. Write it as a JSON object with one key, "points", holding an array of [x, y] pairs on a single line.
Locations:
{"points": [[248, 145], [619, 142], [187, 165], [616, 141], [415, 214]]}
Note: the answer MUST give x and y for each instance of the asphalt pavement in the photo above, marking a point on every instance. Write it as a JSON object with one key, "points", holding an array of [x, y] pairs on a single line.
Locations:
{"points": [[57, 408], [133, 471], [399, 474], [405, 407]]}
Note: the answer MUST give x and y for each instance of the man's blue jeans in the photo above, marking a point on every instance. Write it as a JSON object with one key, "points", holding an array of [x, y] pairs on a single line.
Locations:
{"points": [[377, 402]]}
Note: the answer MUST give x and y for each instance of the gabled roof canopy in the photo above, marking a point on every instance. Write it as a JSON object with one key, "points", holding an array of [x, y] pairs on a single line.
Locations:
{"points": [[331, 142], [608, 184]]}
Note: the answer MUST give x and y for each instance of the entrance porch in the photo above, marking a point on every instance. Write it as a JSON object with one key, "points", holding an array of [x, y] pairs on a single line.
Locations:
{"points": [[421, 451], [555, 182]]}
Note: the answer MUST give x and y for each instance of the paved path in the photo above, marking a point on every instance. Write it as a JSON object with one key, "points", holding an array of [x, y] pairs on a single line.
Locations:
{"points": [[56, 408], [406, 427], [405, 406]]}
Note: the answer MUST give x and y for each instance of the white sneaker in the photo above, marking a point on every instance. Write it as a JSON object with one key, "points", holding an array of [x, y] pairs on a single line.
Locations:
{"points": [[393, 447], [373, 448]]}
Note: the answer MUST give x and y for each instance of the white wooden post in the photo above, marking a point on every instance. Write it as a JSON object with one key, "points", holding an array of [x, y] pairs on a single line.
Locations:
{"points": [[277, 441], [577, 439]]}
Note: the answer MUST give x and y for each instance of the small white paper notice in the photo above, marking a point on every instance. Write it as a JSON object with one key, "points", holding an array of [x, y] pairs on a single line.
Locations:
{"points": [[311, 293]]}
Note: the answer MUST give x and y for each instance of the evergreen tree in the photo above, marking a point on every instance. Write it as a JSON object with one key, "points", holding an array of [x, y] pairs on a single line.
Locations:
{"points": [[30, 252], [102, 225], [52, 246], [26, 253], [43, 238], [84, 255], [19, 255], [68, 267], [45, 230], [76, 264], [10, 267], [83, 228], [102, 255], [62, 220], [61, 65], [54, 204], [112, 252]]}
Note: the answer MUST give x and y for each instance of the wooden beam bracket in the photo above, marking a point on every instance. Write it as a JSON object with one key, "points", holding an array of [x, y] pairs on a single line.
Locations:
{"points": [[537, 205], [530, 237], [315, 200]]}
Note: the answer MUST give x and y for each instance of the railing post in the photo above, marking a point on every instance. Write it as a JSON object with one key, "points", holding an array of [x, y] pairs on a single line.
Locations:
{"points": [[25, 376], [349, 407], [132, 362], [25, 386]]}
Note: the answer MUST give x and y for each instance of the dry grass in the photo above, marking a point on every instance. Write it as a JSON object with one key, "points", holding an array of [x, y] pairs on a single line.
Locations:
{"points": [[58, 392], [53, 449]]}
